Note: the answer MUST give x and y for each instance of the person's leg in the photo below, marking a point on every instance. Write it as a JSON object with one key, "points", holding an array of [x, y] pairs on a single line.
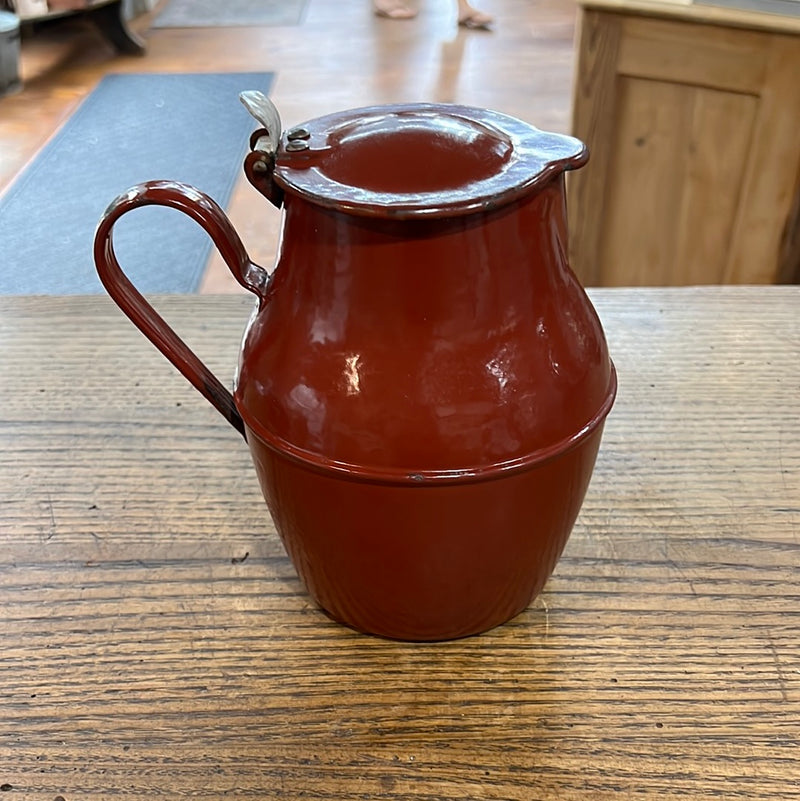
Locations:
{"points": [[393, 9], [470, 17]]}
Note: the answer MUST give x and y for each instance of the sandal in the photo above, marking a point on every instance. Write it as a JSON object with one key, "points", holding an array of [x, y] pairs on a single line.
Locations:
{"points": [[393, 9], [476, 21]]}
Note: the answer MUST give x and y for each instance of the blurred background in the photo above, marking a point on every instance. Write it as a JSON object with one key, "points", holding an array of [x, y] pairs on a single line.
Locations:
{"points": [[691, 112]]}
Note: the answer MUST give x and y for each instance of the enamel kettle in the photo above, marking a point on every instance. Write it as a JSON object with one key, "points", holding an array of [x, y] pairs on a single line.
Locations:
{"points": [[423, 382]]}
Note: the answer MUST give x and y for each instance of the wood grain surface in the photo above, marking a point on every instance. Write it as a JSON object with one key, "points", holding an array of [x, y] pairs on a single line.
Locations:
{"points": [[692, 126], [156, 643]]}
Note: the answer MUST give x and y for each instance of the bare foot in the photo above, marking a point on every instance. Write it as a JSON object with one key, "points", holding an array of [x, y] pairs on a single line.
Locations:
{"points": [[393, 9], [469, 17]]}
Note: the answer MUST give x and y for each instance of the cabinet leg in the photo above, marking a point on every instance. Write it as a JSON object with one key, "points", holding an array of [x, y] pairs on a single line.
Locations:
{"points": [[111, 20]]}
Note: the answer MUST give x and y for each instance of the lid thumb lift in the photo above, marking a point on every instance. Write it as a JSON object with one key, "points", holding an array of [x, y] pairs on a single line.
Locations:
{"points": [[259, 164]]}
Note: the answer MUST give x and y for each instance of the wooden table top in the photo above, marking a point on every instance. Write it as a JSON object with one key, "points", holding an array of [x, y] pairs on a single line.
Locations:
{"points": [[773, 16], [156, 643]]}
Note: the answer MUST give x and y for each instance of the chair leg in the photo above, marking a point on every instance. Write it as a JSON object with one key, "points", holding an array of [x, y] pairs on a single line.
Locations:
{"points": [[110, 18]]}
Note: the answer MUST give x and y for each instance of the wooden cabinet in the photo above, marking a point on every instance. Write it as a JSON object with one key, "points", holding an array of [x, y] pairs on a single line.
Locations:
{"points": [[692, 118]]}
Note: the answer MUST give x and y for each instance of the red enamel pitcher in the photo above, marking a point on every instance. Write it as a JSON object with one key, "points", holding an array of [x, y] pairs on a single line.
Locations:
{"points": [[423, 383]]}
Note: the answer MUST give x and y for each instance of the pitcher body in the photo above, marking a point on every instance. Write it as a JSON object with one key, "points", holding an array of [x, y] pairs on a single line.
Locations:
{"points": [[424, 382]]}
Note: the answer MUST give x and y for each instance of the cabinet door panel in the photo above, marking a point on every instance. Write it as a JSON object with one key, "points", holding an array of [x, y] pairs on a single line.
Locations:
{"points": [[717, 148], [673, 183]]}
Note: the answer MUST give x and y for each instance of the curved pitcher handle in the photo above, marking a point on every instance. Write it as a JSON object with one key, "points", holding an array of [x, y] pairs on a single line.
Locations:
{"points": [[203, 210]]}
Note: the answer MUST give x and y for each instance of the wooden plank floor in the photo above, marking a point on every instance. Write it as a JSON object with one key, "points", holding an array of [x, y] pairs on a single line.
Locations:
{"points": [[341, 56]]}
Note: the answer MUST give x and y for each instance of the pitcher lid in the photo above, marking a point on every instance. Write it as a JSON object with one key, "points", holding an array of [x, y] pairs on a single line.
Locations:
{"points": [[419, 159]]}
